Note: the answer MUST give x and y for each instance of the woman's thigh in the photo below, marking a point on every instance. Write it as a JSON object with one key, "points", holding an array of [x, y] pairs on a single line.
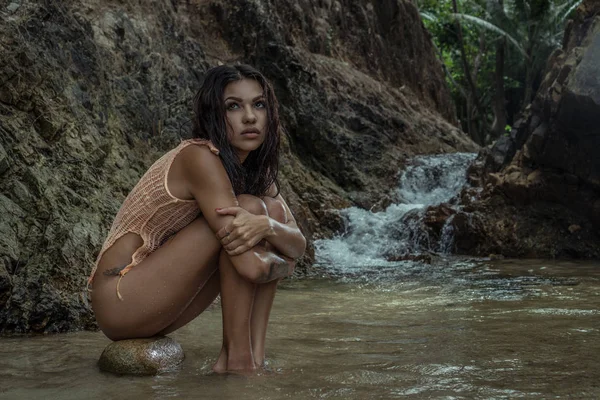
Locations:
{"points": [[157, 290]]}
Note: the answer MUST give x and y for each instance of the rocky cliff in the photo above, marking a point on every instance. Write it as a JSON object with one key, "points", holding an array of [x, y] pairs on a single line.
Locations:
{"points": [[537, 191], [92, 92]]}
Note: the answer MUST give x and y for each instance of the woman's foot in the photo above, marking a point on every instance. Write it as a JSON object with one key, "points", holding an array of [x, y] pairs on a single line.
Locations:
{"points": [[259, 358], [220, 366], [237, 365]]}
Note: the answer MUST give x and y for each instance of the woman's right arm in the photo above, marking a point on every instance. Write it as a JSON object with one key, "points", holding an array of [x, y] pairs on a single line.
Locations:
{"points": [[208, 182]]}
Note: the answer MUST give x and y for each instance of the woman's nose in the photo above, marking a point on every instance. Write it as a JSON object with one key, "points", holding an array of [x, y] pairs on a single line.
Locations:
{"points": [[249, 116]]}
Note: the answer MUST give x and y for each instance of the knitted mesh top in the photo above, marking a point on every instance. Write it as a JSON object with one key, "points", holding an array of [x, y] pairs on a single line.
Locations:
{"points": [[151, 211]]}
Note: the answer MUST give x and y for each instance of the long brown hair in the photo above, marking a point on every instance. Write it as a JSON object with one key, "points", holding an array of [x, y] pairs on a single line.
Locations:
{"points": [[259, 171]]}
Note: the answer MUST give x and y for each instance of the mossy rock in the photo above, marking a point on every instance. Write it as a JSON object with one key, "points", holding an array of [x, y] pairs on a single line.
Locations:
{"points": [[148, 356]]}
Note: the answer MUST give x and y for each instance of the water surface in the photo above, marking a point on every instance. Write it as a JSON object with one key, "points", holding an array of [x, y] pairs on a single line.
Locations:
{"points": [[457, 329]]}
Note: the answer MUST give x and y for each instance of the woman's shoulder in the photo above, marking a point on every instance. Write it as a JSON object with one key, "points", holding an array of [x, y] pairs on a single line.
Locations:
{"points": [[196, 162], [198, 155], [197, 142]]}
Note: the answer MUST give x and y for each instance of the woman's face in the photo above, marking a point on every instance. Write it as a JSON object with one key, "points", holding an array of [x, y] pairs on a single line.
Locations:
{"points": [[246, 113]]}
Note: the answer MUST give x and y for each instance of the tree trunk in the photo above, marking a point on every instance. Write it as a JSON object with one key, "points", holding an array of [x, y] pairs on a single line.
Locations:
{"points": [[499, 96], [475, 135], [529, 68], [479, 57], [458, 87], [528, 85]]}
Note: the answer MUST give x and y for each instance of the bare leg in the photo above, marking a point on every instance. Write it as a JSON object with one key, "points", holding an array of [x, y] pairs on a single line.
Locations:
{"points": [[168, 289], [237, 296], [207, 295], [265, 293], [237, 299], [263, 301], [177, 282], [158, 291]]}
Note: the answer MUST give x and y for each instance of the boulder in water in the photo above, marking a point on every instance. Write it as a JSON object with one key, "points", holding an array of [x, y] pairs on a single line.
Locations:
{"points": [[146, 356]]}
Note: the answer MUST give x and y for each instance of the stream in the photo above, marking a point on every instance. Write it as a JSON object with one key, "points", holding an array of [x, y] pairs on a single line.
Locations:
{"points": [[369, 328]]}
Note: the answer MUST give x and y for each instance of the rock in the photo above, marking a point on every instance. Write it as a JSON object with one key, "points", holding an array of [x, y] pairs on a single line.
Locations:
{"points": [[574, 228], [501, 151], [536, 141], [83, 120], [422, 258], [547, 177], [436, 216], [535, 177], [148, 356], [4, 161], [5, 281]]}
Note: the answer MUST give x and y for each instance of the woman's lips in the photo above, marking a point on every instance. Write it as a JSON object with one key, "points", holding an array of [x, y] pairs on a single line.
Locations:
{"points": [[250, 133]]}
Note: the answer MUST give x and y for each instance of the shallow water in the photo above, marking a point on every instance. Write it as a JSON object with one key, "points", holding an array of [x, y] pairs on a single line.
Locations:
{"points": [[457, 329]]}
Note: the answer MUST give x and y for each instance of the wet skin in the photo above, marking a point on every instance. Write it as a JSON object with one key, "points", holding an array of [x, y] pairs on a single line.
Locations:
{"points": [[247, 245]]}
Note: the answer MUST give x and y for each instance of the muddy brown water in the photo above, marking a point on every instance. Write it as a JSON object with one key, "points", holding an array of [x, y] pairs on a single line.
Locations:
{"points": [[461, 329]]}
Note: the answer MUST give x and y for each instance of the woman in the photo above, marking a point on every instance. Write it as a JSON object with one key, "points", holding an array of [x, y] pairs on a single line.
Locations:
{"points": [[206, 218]]}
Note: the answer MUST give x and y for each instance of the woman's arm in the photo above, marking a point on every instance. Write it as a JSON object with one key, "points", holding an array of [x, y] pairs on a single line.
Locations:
{"points": [[247, 229], [287, 237], [207, 181]]}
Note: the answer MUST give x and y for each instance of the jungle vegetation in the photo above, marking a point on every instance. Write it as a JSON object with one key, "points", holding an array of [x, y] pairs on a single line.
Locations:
{"points": [[494, 53]]}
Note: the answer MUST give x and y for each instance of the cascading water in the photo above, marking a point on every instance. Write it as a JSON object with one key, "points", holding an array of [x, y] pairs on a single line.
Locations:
{"points": [[370, 238]]}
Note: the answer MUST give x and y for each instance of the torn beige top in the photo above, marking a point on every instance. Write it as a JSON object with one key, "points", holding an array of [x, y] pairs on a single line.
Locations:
{"points": [[151, 211]]}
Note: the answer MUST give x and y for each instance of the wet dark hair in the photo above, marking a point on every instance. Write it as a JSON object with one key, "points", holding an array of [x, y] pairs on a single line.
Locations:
{"points": [[259, 171]]}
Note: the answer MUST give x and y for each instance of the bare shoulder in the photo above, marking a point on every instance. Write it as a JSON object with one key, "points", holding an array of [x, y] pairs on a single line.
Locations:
{"points": [[203, 172], [198, 159]]}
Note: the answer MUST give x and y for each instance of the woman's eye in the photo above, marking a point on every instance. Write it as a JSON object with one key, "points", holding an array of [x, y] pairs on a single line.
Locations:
{"points": [[232, 106], [260, 104]]}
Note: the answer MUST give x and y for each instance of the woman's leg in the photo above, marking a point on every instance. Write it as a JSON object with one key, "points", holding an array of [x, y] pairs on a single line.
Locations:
{"points": [[157, 292], [237, 298], [176, 283], [263, 300], [265, 293], [203, 299]]}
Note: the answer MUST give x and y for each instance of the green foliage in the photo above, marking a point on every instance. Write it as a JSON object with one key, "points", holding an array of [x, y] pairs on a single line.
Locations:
{"points": [[532, 29]]}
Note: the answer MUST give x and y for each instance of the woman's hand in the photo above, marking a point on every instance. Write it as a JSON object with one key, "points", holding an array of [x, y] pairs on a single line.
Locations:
{"points": [[244, 232]]}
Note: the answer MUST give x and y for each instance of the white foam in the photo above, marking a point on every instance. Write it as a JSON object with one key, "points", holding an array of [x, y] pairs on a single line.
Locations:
{"points": [[370, 236]]}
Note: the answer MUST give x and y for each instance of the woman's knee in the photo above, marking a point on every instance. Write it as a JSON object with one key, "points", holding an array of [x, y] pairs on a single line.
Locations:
{"points": [[275, 209], [252, 204]]}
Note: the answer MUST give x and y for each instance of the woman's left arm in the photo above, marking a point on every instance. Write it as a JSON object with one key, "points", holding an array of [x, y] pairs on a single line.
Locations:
{"points": [[247, 230], [286, 237]]}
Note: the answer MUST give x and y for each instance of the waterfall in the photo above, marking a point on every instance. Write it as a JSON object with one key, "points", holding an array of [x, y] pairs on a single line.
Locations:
{"points": [[371, 239]]}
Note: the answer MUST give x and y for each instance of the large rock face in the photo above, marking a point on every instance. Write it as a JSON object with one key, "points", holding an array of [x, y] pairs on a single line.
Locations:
{"points": [[538, 191], [92, 92]]}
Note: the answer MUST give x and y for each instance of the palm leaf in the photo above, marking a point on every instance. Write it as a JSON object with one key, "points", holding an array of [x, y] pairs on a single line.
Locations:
{"points": [[567, 5], [574, 6], [429, 16], [489, 26]]}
